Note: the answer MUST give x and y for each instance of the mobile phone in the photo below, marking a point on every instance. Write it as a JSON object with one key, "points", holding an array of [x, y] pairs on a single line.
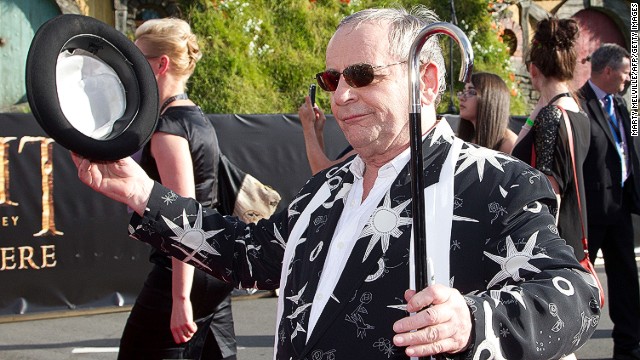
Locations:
{"points": [[312, 94]]}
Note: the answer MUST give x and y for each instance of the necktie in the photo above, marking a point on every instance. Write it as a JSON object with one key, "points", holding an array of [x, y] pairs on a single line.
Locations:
{"points": [[617, 134], [608, 107]]}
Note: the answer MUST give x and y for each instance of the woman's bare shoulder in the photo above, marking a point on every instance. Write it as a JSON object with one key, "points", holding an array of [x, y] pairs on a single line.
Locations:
{"points": [[508, 141]]}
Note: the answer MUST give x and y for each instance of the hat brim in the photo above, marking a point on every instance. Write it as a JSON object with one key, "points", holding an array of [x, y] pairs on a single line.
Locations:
{"points": [[139, 118]]}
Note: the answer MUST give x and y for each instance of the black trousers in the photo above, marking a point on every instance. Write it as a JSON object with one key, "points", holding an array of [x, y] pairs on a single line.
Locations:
{"points": [[147, 333], [617, 244]]}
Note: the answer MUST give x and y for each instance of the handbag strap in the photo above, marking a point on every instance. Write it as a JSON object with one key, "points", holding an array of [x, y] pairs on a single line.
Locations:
{"points": [[585, 245], [567, 124]]}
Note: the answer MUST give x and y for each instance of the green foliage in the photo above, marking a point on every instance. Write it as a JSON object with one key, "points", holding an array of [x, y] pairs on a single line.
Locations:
{"points": [[261, 55], [490, 53]]}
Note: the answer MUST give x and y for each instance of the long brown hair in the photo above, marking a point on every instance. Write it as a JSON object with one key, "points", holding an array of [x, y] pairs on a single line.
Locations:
{"points": [[492, 116]]}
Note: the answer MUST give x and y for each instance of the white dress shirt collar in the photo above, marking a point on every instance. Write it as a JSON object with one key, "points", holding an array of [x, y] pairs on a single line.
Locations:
{"points": [[600, 94]]}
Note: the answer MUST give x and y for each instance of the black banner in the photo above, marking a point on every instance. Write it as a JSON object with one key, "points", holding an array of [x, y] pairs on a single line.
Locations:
{"points": [[65, 247], [271, 148]]}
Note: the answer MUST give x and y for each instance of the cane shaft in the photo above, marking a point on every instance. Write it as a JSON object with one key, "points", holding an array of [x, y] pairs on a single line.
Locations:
{"points": [[423, 267], [417, 203]]}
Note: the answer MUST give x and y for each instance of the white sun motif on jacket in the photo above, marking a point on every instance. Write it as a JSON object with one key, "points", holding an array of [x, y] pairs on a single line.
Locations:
{"points": [[194, 237], [480, 156], [384, 223], [515, 260]]}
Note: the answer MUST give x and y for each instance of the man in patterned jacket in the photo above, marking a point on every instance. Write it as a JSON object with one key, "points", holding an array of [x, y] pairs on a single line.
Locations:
{"points": [[507, 287]]}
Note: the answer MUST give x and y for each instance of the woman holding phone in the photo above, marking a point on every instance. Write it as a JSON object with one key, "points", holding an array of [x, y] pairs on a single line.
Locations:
{"points": [[313, 119]]}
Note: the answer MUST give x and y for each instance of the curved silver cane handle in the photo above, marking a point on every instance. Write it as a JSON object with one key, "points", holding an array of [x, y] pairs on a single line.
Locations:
{"points": [[438, 28]]}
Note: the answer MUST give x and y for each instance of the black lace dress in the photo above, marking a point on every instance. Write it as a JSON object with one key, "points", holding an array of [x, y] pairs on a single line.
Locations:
{"points": [[549, 138]]}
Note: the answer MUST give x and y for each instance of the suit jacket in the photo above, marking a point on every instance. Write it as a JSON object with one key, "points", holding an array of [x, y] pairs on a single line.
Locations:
{"points": [[522, 283], [606, 198]]}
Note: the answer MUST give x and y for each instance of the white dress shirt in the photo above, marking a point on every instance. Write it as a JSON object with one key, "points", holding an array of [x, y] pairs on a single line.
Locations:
{"points": [[354, 217]]}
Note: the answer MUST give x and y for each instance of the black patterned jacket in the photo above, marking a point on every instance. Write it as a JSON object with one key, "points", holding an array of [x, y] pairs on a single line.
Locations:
{"points": [[528, 296]]}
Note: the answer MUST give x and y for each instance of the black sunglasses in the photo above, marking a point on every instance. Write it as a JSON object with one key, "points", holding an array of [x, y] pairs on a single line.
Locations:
{"points": [[357, 75]]}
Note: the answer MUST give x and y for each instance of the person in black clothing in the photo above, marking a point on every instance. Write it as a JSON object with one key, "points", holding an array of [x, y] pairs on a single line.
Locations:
{"points": [[180, 313], [612, 183], [551, 61]]}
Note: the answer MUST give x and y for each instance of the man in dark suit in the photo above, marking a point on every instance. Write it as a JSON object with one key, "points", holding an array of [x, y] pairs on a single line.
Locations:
{"points": [[612, 184]]}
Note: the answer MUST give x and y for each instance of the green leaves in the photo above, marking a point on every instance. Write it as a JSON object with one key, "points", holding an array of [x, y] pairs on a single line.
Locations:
{"points": [[261, 55]]}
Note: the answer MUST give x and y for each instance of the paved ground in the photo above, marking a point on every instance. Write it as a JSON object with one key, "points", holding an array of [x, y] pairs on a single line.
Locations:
{"points": [[95, 337]]}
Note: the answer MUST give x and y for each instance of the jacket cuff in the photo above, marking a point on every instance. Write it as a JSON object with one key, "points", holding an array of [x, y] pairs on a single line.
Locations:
{"points": [[158, 200]]}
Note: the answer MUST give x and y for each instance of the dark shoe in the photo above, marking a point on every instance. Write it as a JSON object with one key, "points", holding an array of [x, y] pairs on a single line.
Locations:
{"points": [[627, 355]]}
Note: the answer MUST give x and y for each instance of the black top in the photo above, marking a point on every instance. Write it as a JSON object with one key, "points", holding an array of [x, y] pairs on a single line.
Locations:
{"points": [[553, 157], [190, 123]]}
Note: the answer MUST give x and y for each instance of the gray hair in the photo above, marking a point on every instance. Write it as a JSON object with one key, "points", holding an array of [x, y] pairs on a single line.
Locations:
{"points": [[610, 55], [404, 29]]}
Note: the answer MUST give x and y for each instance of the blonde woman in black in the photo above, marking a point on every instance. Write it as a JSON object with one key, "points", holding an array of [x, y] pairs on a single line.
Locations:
{"points": [[180, 313]]}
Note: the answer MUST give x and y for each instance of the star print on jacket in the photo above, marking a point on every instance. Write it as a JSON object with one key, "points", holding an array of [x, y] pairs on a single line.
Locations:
{"points": [[515, 261], [384, 223], [194, 237], [505, 256], [481, 156]]}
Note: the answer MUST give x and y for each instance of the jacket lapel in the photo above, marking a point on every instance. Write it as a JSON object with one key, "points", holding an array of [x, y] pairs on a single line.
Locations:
{"points": [[365, 257], [601, 119], [596, 109], [303, 276], [623, 114]]}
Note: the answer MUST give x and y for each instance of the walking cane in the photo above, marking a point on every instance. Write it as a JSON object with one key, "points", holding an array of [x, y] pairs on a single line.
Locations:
{"points": [[423, 265]]}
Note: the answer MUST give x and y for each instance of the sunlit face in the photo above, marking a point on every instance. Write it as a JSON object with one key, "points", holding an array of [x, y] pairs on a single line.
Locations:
{"points": [[374, 118], [469, 103], [619, 77]]}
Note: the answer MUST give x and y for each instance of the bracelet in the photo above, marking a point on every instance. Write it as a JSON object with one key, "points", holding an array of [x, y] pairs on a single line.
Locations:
{"points": [[529, 122]]}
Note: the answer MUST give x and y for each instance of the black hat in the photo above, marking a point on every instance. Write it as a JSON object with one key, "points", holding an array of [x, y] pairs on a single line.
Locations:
{"points": [[90, 88]]}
